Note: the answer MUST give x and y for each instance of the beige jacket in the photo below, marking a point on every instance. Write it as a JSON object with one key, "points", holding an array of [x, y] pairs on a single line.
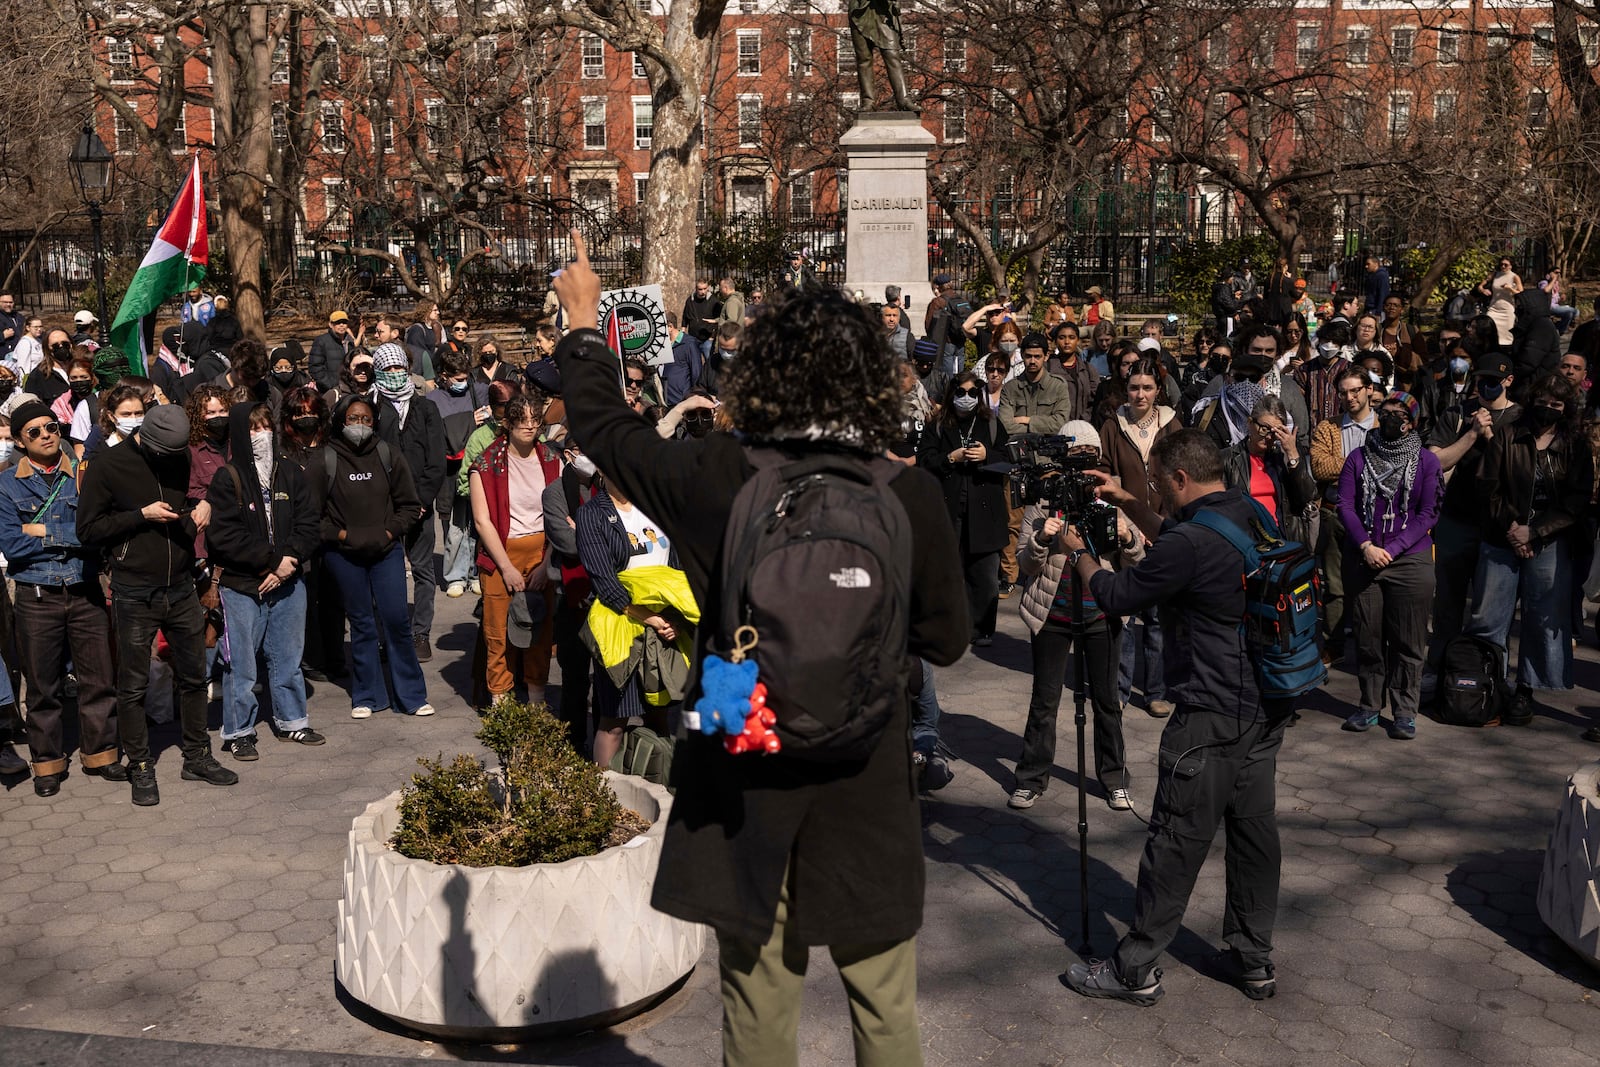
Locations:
{"points": [[1042, 566]]}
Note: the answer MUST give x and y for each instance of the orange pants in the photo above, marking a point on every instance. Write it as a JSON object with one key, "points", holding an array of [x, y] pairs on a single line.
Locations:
{"points": [[526, 554]]}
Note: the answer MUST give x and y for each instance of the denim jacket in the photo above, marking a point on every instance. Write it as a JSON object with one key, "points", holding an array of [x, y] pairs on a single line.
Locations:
{"points": [[57, 558]]}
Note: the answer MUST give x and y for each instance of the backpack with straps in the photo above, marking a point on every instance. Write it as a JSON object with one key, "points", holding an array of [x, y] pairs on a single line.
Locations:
{"points": [[1283, 598], [331, 463], [1471, 690], [645, 754], [817, 558]]}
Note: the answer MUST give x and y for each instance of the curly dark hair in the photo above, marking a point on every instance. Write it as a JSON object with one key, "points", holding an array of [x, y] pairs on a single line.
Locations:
{"points": [[947, 411], [816, 360], [1555, 387], [298, 403]]}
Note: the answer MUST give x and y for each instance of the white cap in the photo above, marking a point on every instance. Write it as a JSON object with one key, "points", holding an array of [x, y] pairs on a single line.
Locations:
{"points": [[1149, 344], [84, 318], [1081, 432]]}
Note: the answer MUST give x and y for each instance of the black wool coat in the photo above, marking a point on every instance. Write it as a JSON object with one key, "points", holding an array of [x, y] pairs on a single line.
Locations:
{"points": [[850, 832], [974, 497]]}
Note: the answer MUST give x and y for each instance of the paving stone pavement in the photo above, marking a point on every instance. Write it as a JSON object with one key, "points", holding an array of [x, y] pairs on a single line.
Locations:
{"points": [[1407, 930]]}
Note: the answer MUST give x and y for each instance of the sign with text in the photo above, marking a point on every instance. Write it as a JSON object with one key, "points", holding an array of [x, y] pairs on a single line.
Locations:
{"points": [[635, 324]]}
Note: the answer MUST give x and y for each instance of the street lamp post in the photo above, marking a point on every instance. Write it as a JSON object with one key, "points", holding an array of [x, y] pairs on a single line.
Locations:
{"points": [[90, 164]]}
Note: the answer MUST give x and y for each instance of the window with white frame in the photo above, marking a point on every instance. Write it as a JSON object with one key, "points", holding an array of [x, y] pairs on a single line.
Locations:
{"points": [[180, 128], [1403, 45], [1399, 114], [280, 127], [1217, 45], [378, 64], [749, 120], [749, 53], [800, 200], [1307, 43], [641, 189], [849, 104], [1544, 46], [374, 9], [1357, 44], [1353, 116], [535, 120], [1160, 115], [1305, 117], [280, 63], [123, 135], [119, 57], [484, 50], [1449, 47], [594, 123], [1498, 41], [747, 7], [955, 54], [638, 66], [438, 119], [644, 121], [1589, 41], [1444, 112], [333, 139], [1538, 110], [1265, 48], [593, 52], [799, 51], [335, 212], [387, 134], [955, 122], [329, 51], [841, 184], [844, 53]]}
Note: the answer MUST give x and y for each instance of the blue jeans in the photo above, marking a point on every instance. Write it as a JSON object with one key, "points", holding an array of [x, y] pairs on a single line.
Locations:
{"points": [[276, 626], [1143, 631], [375, 600], [924, 714], [1564, 314], [460, 542], [952, 360], [1544, 584]]}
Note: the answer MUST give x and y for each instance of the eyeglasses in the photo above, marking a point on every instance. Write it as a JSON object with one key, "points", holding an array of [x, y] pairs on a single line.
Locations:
{"points": [[458, 329], [995, 370], [1262, 430], [358, 420], [635, 383], [33, 433]]}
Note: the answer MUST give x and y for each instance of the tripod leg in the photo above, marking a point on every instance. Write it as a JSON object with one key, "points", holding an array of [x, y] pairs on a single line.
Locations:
{"points": [[1080, 667]]}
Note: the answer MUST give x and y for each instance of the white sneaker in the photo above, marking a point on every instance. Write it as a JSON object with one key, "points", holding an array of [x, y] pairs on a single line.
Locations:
{"points": [[361, 713], [425, 709], [455, 589], [476, 588], [1120, 800]]}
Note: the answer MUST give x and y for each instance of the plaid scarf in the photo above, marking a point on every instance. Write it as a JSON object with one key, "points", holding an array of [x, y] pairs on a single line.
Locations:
{"points": [[1390, 472]]}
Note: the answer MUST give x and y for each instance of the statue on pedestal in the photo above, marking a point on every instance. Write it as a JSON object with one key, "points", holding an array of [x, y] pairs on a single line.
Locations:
{"points": [[875, 28]]}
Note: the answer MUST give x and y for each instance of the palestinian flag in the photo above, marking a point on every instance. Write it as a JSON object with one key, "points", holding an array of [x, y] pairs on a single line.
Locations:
{"points": [[177, 260]]}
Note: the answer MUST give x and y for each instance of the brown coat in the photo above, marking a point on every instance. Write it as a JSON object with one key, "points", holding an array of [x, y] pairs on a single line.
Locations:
{"points": [[1119, 450]]}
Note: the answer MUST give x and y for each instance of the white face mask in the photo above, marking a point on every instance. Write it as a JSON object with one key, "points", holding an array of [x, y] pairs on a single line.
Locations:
{"points": [[261, 446], [584, 466], [8, 449], [129, 426], [966, 403]]}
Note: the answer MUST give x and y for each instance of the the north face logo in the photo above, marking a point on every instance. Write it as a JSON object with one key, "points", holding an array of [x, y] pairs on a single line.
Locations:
{"points": [[851, 578]]}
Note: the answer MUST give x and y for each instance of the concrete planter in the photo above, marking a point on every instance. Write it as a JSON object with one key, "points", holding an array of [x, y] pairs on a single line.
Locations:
{"points": [[1568, 900], [491, 953]]}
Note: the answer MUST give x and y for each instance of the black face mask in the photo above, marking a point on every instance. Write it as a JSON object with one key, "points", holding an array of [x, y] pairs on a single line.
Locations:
{"points": [[81, 389], [1544, 417], [61, 350], [1489, 390], [6, 389], [283, 377], [217, 425], [1392, 425], [306, 425], [487, 359]]}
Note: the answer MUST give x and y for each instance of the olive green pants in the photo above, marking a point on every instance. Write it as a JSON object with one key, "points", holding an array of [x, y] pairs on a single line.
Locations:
{"points": [[762, 986]]}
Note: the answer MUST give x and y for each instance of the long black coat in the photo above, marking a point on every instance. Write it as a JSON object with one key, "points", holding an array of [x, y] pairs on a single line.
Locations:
{"points": [[975, 498], [850, 832]]}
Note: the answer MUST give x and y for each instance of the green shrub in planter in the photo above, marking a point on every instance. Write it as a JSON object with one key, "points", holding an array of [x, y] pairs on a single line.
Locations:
{"points": [[546, 804]]}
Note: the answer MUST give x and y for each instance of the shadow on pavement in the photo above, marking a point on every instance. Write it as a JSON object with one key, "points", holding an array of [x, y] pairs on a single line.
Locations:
{"points": [[1499, 891]]}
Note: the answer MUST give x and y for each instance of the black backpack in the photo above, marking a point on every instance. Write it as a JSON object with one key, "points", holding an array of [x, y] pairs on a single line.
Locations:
{"points": [[1470, 693], [817, 557], [948, 320]]}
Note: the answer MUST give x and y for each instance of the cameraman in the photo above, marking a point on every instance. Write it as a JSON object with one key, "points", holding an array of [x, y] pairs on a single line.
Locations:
{"points": [[1047, 610], [1219, 750]]}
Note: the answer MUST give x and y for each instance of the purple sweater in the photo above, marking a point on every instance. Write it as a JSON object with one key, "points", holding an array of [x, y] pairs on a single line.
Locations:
{"points": [[1412, 532]]}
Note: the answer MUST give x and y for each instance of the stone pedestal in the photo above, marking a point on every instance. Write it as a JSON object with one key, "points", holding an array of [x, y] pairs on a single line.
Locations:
{"points": [[1568, 899], [886, 227]]}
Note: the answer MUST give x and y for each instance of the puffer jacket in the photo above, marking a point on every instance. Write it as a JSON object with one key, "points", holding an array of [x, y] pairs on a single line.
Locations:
{"points": [[1042, 567]]}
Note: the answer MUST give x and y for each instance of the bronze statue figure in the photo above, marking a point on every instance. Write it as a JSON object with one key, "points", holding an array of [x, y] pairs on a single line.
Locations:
{"points": [[875, 28]]}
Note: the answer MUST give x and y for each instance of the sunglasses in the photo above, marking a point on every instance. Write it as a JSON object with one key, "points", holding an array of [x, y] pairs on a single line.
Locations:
{"points": [[35, 432], [635, 383], [967, 390]]}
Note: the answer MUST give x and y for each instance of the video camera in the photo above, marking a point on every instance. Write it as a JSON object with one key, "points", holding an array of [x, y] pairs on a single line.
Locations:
{"points": [[1044, 470]]}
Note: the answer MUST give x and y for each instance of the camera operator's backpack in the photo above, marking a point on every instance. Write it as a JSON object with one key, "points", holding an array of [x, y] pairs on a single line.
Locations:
{"points": [[817, 557], [1283, 597], [948, 320], [1470, 673]]}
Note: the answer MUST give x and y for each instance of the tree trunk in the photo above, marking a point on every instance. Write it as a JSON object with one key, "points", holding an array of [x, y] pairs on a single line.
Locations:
{"points": [[676, 170], [241, 65]]}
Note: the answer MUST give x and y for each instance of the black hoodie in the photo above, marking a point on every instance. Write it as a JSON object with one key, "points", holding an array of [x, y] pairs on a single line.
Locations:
{"points": [[117, 486], [373, 506], [1535, 345], [238, 538]]}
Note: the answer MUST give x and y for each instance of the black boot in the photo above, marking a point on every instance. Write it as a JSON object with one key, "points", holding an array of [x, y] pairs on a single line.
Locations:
{"points": [[10, 762]]}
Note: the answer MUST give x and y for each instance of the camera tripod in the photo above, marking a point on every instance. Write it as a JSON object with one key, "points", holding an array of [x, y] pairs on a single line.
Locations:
{"points": [[1080, 691]]}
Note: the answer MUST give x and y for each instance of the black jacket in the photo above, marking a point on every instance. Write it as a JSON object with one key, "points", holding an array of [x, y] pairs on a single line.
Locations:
{"points": [[421, 441], [700, 316], [1507, 481], [1295, 488], [116, 488], [974, 497], [375, 507], [328, 354], [1194, 575], [16, 321], [44, 383], [1535, 345], [711, 373], [854, 830], [237, 538]]}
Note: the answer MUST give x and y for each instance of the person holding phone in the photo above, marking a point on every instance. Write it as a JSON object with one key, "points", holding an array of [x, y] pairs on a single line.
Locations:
{"points": [[1267, 465]]}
